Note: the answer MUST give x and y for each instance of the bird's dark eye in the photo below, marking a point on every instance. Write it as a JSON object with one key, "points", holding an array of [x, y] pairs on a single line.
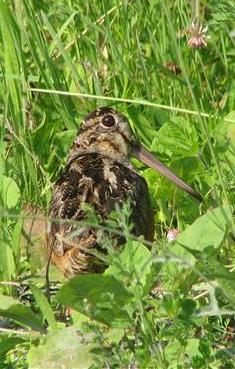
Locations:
{"points": [[108, 121]]}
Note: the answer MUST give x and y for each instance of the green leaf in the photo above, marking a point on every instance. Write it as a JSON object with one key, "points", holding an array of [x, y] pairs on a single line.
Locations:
{"points": [[9, 343], [192, 348], [101, 297], [212, 269], [63, 348], [9, 192], [177, 138], [10, 308], [208, 230], [44, 305], [133, 266], [7, 263], [172, 353], [187, 306]]}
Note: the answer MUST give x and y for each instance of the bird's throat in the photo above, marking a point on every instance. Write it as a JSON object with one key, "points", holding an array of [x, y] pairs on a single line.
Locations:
{"points": [[113, 146]]}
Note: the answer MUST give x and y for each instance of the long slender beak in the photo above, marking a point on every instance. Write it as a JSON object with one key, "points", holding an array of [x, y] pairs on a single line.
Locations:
{"points": [[147, 158]]}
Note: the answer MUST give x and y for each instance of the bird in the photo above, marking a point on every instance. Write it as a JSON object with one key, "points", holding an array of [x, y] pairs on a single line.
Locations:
{"points": [[99, 173]]}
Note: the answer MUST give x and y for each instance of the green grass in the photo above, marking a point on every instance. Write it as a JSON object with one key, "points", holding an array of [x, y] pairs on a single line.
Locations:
{"points": [[170, 306]]}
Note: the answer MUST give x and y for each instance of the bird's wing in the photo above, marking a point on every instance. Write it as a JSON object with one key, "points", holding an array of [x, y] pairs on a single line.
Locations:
{"points": [[101, 182], [77, 185], [131, 186]]}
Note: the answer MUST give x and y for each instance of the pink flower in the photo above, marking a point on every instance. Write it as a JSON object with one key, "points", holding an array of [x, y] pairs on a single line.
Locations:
{"points": [[197, 42], [172, 234], [198, 36]]}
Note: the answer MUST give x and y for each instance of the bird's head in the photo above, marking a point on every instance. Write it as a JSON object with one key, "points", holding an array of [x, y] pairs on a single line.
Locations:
{"points": [[108, 132]]}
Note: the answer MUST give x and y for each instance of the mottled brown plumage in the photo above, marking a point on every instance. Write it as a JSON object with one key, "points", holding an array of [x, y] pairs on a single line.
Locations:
{"points": [[98, 173]]}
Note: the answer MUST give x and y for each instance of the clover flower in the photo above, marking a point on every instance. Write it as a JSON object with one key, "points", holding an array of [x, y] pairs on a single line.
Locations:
{"points": [[198, 37]]}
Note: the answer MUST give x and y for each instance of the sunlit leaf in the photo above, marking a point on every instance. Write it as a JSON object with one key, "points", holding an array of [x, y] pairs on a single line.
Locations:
{"points": [[10, 192], [192, 348], [7, 263], [64, 348], [172, 354], [101, 297], [133, 266], [208, 230]]}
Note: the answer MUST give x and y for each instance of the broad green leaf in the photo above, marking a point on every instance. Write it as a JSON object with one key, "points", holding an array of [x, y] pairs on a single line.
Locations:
{"points": [[101, 297], [192, 348], [172, 353], [9, 343], [134, 264], [187, 307], [208, 230], [44, 305], [9, 192], [63, 348], [22, 314], [213, 270]]}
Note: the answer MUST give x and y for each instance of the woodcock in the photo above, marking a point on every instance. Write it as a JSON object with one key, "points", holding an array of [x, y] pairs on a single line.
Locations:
{"points": [[99, 173]]}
